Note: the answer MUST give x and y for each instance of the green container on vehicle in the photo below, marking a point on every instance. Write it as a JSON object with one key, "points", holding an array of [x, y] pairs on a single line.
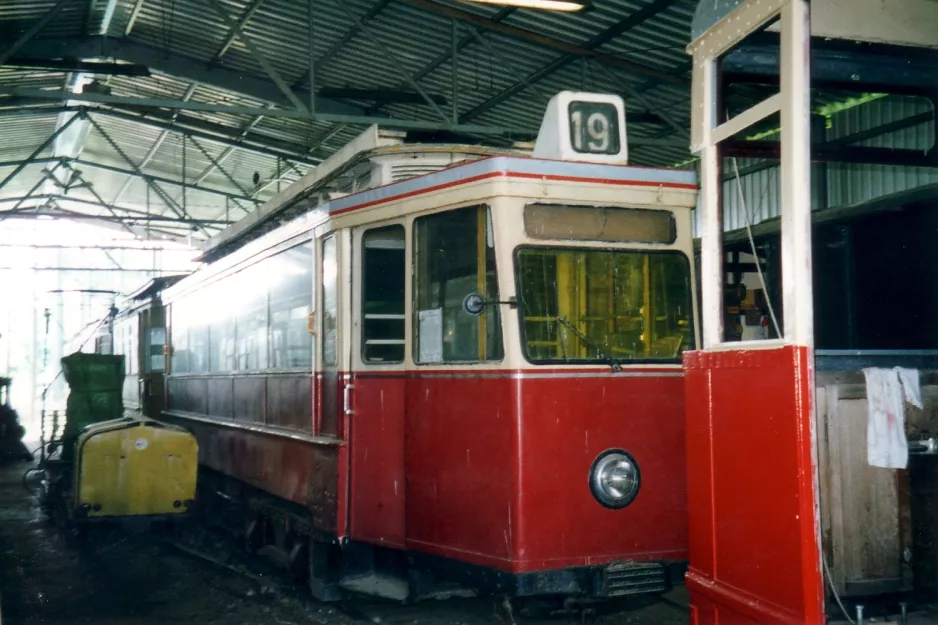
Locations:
{"points": [[95, 383]]}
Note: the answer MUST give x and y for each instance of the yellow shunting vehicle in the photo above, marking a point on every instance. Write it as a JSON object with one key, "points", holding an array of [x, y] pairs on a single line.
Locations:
{"points": [[134, 467]]}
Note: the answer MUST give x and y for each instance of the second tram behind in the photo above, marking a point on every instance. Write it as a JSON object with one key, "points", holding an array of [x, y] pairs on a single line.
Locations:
{"points": [[474, 372]]}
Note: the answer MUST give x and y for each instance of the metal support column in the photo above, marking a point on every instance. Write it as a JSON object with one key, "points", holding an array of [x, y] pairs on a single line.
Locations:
{"points": [[311, 34], [454, 55]]}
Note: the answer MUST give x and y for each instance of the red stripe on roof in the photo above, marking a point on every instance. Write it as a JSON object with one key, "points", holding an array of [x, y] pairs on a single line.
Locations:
{"points": [[510, 174]]}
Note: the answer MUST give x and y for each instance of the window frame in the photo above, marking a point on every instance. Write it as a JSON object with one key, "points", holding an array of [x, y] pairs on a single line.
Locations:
{"points": [[522, 343], [335, 363], [672, 223], [413, 282], [172, 315], [362, 291]]}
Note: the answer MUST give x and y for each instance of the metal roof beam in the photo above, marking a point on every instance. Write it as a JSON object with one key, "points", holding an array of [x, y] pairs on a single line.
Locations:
{"points": [[162, 180], [228, 151], [217, 164], [31, 32], [150, 103], [398, 65], [150, 183], [113, 269], [233, 33], [156, 145], [201, 129], [269, 69], [74, 65], [179, 66], [549, 42], [623, 26], [42, 147], [123, 220], [77, 162], [462, 43], [350, 34], [136, 216], [189, 126], [30, 194], [108, 207], [134, 14]]}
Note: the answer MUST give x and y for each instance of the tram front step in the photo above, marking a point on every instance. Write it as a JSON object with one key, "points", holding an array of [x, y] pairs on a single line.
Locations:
{"points": [[378, 585]]}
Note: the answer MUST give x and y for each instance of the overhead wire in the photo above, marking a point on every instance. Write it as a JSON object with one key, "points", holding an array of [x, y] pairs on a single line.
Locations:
{"points": [[752, 242]]}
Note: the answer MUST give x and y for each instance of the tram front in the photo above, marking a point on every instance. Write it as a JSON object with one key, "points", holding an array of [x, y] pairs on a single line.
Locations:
{"points": [[596, 293]]}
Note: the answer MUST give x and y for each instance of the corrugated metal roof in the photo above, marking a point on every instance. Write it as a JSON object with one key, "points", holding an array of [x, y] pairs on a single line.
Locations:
{"points": [[503, 80], [399, 40]]}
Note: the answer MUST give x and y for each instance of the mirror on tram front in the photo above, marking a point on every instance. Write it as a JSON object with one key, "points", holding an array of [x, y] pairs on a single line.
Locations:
{"points": [[474, 304]]}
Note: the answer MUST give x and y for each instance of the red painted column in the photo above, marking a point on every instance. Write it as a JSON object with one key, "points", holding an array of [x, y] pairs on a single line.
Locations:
{"points": [[754, 549]]}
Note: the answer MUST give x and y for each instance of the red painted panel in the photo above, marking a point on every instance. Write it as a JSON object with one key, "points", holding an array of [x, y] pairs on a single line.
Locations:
{"points": [[461, 467], [326, 496], [752, 501], [377, 460], [566, 423], [306, 473], [497, 467]]}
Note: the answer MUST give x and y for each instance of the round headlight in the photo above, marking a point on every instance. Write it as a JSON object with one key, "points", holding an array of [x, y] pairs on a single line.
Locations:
{"points": [[615, 478]]}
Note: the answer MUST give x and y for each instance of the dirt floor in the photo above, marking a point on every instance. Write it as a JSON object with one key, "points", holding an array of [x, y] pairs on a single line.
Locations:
{"points": [[137, 579]]}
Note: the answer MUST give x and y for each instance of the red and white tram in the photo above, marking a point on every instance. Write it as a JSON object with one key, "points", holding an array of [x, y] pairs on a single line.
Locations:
{"points": [[476, 372]]}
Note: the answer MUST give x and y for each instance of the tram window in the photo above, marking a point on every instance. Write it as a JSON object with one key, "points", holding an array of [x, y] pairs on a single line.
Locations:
{"points": [[154, 351], [330, 303], [221, 321], [248, 295], [199, 311], [383, 273], [454, 255], [179, 335], [598, 223], [581, 305], [291, 300]]}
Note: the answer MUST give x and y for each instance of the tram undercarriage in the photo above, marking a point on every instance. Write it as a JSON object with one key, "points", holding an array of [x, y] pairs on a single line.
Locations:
{"points": [[283, 533]]}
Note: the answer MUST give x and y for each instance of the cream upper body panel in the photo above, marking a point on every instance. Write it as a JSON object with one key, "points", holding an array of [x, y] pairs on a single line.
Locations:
{"points": [[505, 184]]}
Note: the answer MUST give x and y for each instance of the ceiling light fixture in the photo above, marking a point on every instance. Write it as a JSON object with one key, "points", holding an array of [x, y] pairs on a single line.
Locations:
{"points": [[544, 5]]}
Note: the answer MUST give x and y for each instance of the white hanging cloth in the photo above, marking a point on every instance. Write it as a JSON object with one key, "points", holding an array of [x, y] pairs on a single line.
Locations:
{"points": [[886, 444]]}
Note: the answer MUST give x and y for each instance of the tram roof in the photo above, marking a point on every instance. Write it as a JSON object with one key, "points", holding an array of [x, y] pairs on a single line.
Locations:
{"points": [[470, 172], [512, 167]]}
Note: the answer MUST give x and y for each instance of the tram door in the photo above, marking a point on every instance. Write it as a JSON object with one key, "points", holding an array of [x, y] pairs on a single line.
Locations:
{"points": [[376, 422], [151, 344], [333, 357], [752, 496]]}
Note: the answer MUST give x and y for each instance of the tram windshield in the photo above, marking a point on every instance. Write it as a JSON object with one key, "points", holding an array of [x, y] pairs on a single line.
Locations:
{"points": [[595, 305]]}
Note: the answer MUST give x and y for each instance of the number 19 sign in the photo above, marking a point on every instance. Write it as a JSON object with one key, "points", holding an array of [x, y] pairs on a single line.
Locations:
{"points": [[594, 127], [583, 127]]}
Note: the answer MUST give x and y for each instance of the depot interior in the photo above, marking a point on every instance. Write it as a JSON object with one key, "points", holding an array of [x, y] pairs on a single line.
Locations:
{"points": [[134, 132]]}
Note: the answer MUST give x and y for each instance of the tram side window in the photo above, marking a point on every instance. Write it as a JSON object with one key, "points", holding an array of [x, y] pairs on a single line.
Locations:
{"points": [[291, 297], [179, 335], [252, 320], [454, 255], [220, 315], [155, 340], [581, 305], [251, 317], [330, 303], [199, 309], [383, 272]]}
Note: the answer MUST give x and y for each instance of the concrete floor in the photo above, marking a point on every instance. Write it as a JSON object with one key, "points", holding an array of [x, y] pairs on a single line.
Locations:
{"points": [[144, 580]]}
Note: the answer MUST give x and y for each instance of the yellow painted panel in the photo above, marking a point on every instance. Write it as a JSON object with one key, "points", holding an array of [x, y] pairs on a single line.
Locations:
{"points": [[128, 467]]}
